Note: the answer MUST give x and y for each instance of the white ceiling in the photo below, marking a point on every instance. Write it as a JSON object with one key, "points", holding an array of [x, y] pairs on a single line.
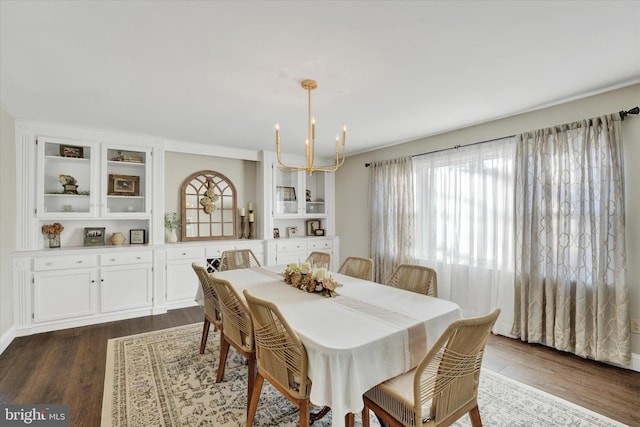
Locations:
{"points": [[223, 72]]}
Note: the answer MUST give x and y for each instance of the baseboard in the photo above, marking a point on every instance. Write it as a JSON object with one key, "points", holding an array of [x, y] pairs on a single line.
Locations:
{"points": [[635, 362], [7, 338]]}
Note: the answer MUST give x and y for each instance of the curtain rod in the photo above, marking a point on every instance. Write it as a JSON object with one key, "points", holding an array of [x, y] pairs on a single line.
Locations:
{"points": [[623, 114], [455, 147]]}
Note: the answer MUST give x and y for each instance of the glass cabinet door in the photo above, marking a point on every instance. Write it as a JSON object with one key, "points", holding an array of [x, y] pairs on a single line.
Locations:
{"points": [[125, 182], [65, 184], [298, 194], [315, 193], [287, 192]]}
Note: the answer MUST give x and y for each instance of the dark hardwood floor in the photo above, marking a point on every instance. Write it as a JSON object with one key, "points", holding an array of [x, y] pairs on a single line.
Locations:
{"points": [[67, 366]]}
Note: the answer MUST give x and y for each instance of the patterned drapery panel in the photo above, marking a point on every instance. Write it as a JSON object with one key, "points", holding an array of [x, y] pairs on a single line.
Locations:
{"points": [[392, 215], [571, 288]]}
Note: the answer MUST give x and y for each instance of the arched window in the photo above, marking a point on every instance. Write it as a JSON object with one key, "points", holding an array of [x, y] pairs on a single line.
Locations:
{"points": [[208, 207]]}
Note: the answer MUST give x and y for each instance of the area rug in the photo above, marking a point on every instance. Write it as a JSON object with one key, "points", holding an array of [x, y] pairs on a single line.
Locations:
{"points": [[160, 379]]}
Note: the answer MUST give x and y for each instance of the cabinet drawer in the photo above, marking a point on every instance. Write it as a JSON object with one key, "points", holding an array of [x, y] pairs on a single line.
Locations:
{"points": [[289, 246], [58, 263], [319, 244], [126, 258], [185, 253], [215, 252]]}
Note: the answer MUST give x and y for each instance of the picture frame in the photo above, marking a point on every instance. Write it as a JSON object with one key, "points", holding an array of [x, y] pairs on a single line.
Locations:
{"points": [[292, 231], [286, 194], [71, 151], [276, 233], [312, 226], [124, 185], [137, 236], [94, 236]]}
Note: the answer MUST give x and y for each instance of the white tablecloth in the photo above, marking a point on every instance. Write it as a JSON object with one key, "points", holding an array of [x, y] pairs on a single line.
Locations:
{"points": [[355, 340]]}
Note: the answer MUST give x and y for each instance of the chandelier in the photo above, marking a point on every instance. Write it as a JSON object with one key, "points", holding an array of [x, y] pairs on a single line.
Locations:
{"points": [[309, 85]]}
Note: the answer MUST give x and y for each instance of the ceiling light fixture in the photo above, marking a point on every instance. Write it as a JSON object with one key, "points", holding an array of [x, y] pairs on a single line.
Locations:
{"points": [[309, 85]]}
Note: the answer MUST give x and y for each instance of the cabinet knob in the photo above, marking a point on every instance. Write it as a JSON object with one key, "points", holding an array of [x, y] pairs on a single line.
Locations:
{"points": [[184, 253], [79, 262], [112, 259], [102, 280], [48, 263], [93, 281], [138, 257]]}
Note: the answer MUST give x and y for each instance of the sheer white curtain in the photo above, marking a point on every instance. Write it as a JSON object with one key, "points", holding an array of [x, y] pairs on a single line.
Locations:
{"points": [[464, 225], [571, 284], [391, 228]]}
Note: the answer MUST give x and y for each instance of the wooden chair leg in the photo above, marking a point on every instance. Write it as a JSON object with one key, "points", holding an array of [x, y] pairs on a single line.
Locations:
{"points": [[474, 414], [304, 413], [251, 377], [224, 350], [255, 397], [365, 417], [349, 419], [205, 334]]}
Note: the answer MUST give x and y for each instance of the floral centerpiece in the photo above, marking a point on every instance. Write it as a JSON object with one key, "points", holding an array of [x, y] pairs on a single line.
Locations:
{"points": [[53, 233], [303, 277]]}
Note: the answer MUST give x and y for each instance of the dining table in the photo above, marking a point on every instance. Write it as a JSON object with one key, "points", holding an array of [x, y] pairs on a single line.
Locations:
{"points": [[364, 335]]}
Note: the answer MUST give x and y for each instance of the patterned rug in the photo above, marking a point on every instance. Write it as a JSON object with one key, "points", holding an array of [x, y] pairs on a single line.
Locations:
{"points": [[160, 379]]}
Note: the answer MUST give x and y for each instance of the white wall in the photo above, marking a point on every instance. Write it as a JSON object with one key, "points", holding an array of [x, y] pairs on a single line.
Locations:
{"points": [[352, 180], [7, 224]]}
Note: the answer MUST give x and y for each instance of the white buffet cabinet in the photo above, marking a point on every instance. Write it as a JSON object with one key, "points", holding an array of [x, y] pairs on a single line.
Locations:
{"points": [[77, 286]]}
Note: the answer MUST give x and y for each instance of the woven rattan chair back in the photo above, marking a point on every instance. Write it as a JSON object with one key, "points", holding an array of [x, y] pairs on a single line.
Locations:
{"points": [[415, 278], [212, 313], [282, 358], [239, 258], [316, 257], [237, 330], [238, 327], [359, 267], [445, 382]]}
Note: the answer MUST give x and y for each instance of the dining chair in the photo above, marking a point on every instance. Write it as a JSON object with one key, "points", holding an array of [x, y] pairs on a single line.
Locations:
{"points": [[316, 257], [212, 314], [237, 330], [444, 385], [282, 358], [416, 278], [359, 267], [238, 258]]}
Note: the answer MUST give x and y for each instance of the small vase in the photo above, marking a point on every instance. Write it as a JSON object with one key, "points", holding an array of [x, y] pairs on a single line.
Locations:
{"points": [[117, 238], [54, 240], [172, 236]]}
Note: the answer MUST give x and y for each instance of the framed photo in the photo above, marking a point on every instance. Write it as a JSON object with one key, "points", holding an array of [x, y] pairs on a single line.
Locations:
{"points": [[124, 185], [312, 226], [286, 194], [276, 233], [137, 237], [293, 231], [71, 151], [94, 236]]}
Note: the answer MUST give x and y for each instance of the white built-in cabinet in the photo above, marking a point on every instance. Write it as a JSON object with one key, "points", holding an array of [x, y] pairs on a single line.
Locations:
{"points": [[111, 181], [111, 186], [89, 287], [291, 191]]}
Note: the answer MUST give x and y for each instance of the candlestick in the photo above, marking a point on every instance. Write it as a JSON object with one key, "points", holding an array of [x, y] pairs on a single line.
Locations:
{"points": [[251, 217], [242, 212], [242, 236]]}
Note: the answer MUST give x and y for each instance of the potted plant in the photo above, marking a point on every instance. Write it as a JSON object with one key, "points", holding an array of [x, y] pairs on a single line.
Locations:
{"points": [[53, 233], [172, 223]]}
